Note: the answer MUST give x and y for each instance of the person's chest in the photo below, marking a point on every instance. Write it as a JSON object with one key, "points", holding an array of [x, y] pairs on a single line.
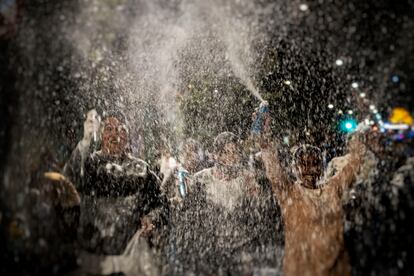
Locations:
{"points": [[226, 193], [312, 208]]}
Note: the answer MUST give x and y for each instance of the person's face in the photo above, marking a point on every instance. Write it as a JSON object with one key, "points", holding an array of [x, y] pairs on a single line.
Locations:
{"points": [[114, 137], [230, 155], [309, 168]]}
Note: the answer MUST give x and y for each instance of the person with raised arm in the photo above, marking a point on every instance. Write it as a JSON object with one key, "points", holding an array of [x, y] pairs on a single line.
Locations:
{"points": [[311, 205], [122, 210]]}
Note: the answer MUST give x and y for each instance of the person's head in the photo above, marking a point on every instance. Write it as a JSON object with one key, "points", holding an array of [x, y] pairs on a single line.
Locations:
{"points": [[114, 137], [227, 149], [192, 155], [308, 165]]}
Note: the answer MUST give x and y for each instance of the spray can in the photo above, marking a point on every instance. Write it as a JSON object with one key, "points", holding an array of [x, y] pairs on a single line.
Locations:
{"points": [[257, 125], [182, 187]]}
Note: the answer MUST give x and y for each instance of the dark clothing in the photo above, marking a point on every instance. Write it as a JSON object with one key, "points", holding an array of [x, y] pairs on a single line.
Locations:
{"points": [[208, 239], [115, 194]]}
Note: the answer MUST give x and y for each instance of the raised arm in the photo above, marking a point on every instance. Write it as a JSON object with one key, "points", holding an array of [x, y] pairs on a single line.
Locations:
{"points": [[345, 176], [74, 168], [273, 168], [270, 156]]}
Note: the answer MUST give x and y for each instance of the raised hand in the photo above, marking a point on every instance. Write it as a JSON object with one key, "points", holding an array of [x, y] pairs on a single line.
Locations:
{"points": [[259, 118], [91, 126], [262, 137]]}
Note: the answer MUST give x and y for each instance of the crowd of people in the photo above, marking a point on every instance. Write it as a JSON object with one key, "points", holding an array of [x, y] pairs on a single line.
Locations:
{"points": [[220, 213]]}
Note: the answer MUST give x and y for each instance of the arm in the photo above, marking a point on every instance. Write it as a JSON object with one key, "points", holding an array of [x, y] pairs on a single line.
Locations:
{"points": [[270, 158], [74, 168], [345, 177], [274, 170]]}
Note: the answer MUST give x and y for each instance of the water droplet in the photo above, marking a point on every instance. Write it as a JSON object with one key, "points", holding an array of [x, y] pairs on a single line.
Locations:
{"points": [[303, 7], [395, 79]]}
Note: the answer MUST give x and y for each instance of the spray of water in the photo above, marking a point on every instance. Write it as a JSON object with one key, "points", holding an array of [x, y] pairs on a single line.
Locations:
{"points": [[237, 32], [159, 35]]}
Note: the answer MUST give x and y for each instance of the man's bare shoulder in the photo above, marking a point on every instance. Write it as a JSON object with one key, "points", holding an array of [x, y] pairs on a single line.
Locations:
{"points": [[337, 164]]}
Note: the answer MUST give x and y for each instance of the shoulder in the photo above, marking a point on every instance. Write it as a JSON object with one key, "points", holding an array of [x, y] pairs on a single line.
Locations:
{"points": [[141, 167], [199, 179], [96, 155], [206, 173], [137, 162], [337, 164]]}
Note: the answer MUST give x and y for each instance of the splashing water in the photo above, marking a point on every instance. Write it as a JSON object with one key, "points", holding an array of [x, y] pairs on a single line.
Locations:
{"points": [[168, 65], [238, 38]]}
